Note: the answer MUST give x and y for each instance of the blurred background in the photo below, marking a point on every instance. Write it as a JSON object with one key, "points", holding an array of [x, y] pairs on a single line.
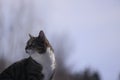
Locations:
{"points": [[85, 35]]}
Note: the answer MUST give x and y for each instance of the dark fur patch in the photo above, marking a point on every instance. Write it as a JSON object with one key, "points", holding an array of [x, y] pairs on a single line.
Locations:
{"points": [[26, 69]]}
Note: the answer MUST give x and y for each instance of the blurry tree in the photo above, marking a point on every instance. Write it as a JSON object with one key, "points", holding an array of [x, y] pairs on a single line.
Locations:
{"points": [[17, 20], [2, 64], [62, 73], [119, 76]]}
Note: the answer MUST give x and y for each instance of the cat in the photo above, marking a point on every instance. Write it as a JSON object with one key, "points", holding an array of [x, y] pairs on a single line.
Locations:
{"points": [[39, 66], [42, 52]]}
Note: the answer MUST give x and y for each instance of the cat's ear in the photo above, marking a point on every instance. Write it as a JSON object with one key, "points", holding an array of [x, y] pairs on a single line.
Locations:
{"points": [[30, 36], [41, 35]]}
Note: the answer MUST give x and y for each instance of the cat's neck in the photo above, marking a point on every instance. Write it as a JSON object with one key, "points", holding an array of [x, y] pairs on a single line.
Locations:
{"points": [[45, 59]]}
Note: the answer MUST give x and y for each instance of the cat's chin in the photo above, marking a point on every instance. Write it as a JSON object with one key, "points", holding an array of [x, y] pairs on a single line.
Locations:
{"points": [[30, 52]]}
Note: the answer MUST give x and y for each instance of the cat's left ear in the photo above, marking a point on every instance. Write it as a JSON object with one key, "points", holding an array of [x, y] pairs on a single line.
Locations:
{"points": [[41, 35], [30, 36]]}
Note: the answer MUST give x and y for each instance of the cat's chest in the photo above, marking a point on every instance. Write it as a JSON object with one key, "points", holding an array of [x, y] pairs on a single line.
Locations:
{"points": [[47, 60]]}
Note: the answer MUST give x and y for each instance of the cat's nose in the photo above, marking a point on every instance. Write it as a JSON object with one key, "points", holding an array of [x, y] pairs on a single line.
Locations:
{"points": [[26, 51], [26, 47]]}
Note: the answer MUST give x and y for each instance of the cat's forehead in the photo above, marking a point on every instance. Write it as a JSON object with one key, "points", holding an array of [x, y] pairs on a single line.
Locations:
{"points": [[34, 39], [31, 40]]}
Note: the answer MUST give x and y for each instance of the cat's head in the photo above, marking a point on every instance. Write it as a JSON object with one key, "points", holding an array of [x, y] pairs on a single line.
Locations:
{"points": [[38, 44]]}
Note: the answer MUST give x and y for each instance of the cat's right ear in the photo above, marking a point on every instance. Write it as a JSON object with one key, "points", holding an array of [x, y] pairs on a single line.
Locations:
{"points": [[30, 36], [41, 35]]}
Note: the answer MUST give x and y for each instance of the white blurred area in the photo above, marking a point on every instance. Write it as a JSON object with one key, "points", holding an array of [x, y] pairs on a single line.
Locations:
{"points": [[89, 30]]}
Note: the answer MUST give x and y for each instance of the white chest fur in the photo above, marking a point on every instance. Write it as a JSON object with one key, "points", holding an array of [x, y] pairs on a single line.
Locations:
{"points": [[47, 60]]}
